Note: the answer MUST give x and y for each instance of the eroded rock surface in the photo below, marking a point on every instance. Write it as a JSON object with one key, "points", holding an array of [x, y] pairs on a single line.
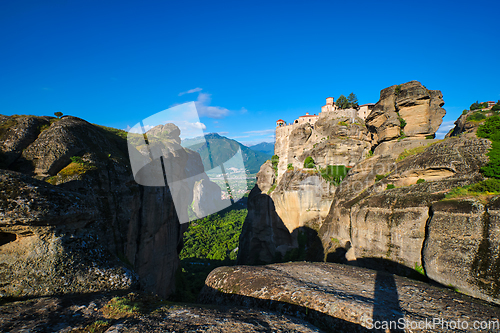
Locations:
{"points": [[462, 248], [419, 107], [92, 313], [88, 225], [343, 298]]}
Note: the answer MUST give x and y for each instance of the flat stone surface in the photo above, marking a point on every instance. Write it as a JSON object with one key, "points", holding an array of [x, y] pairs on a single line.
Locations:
{"points": [[344, 298], [87, 314]]}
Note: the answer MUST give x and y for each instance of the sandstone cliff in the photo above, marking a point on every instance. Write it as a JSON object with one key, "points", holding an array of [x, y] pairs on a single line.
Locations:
{"points": [[400, 229], [420, 108], [72, 218]]}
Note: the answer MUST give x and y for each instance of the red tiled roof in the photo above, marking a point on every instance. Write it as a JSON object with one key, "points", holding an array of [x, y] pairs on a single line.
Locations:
{"points": [[280, 120], [309, 115]]}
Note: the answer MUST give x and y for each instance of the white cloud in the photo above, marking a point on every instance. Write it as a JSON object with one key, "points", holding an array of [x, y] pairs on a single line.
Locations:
{"points": [[186, 125], [223, 133], [190, 91], [445, 127], [243, 111], [204, 110]]}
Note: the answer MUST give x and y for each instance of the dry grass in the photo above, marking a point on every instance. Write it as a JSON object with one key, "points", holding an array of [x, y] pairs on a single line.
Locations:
{"points": [[76, 168], [415, 151]]}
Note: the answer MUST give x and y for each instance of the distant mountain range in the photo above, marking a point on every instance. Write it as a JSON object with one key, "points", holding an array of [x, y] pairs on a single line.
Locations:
{"points": [[222, 149], [264, 147]]}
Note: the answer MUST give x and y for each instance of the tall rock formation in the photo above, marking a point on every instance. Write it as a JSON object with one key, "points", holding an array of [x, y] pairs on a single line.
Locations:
{"points": [[389, 212], [73, 219], [420, 108]]}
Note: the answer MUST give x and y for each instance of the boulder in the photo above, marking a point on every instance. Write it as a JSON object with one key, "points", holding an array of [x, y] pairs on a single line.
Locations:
{"points": [[341, 298], [266, 177], [419, 107]]}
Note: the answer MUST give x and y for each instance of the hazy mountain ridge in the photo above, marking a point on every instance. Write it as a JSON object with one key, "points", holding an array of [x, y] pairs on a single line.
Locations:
{"points": [[264, 147], [222, 149]]}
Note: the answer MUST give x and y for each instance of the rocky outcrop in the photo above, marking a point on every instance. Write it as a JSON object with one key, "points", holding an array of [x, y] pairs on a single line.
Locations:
{"points": [[50, 242], [19, 132], [266, 177], [387, 212], [206, 198], [342, 298], [380, 227], [419, 107], [302, 199], [332, 140], [462, 248], [89, 214], [467, 127], [102, 313]]}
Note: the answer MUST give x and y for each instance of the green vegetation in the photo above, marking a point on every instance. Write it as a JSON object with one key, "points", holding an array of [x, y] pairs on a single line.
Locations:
{"points": [[273, 187], [478, 106], [491, 130], [496, 107], [214, 237], [465, 111], [406, 153], [46, 126], [58, 114], [309, 162], [380, 177], [98, 326], [491, 185], [389, 186], [208, 243], [342, 102], [119, 307], [484, 188], [353, 100], [419, 268], [474, 106], [76, 169], [420, 181], [275, 159], [397, 90], [402, 122], [476, 116], [430, 137], [334, 173], [114, 132], [289, 166], [369, 154], [343, 123], [78, 166]]}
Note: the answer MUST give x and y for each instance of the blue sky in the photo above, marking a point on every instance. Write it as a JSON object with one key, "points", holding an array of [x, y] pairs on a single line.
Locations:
{"points": [[246, 64]]}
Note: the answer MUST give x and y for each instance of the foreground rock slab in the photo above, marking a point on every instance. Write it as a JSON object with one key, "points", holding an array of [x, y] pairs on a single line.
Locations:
{"points": [[342, 298], [91, 313]]}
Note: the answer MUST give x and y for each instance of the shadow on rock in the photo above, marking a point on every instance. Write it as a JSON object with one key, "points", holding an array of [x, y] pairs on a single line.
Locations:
{"points": [[317, 318]]}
